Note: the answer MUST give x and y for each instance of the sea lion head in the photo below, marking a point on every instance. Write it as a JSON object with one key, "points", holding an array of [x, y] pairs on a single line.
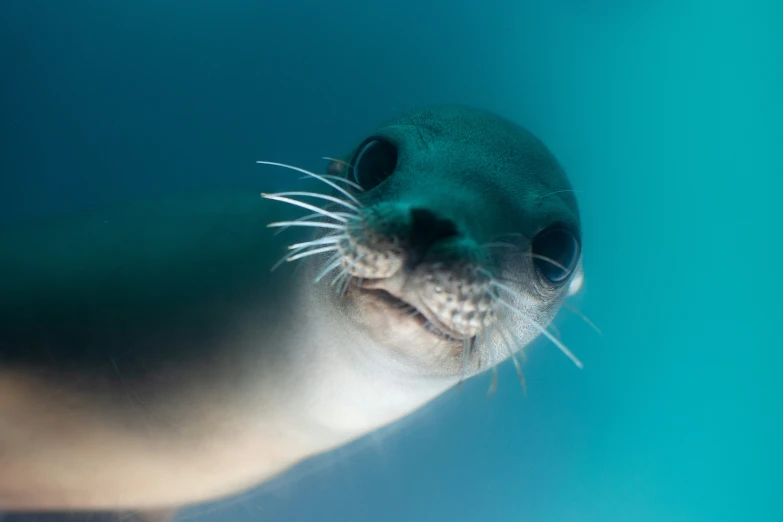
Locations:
{"points": [[452, 240]]}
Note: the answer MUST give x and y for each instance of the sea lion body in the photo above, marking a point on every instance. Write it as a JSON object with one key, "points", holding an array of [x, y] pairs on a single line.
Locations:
{"points": [[149, 359], [153, 342]]}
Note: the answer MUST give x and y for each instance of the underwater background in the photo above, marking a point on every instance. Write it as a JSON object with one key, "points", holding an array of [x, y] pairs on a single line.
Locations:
{"points": [[667, 117]]}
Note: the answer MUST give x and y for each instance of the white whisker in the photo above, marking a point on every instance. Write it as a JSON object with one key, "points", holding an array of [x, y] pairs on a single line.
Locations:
{"points": [[328, 240], [285, 258], [314, 175], [338, 178], [319, 196], [582, 316], [481, 339], [318, 224], [311, 216], [513, 356], [334, 263], [344, 180], [295, 249], [348, 270], [485, 272], [347, 284], [493, 385], [339, 277], [500, 286], [313, 252], [543, 330], [308, 206], [467, 345], [531, 254], [549, 260], [508, 343], [336, 160], [520, 375]]}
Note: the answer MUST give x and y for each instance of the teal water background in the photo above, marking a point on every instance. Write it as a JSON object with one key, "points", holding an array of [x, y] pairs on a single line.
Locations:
{"points": [[666, 114]]}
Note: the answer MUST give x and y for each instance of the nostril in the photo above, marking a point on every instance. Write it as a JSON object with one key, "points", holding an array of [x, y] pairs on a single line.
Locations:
{"points": [[427, 229], [427, 224]]}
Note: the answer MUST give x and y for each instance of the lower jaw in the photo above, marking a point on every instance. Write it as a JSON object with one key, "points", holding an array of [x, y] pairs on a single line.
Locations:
{"points": [[424, 323]]}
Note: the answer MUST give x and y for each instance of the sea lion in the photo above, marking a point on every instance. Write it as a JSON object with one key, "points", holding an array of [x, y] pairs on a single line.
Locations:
{"points": [[149, 359]]}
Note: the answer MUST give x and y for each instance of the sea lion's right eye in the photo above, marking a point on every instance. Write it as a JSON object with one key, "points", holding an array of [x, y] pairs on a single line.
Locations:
{"points": [[375, 161]]}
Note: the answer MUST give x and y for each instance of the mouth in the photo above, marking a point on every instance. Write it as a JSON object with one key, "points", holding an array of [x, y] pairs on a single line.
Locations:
{"points": [[419, 315]]}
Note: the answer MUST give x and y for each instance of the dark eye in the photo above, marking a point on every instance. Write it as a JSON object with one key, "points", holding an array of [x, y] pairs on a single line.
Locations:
{"points": [[375, 161], [556, 253]]}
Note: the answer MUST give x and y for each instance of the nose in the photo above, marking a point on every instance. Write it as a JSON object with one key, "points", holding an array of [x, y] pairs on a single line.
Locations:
{"points": [[427, 229]]}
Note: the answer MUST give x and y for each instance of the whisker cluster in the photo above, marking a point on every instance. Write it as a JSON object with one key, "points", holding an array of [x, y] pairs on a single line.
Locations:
{"points": [[499, 287], [321, 218]]}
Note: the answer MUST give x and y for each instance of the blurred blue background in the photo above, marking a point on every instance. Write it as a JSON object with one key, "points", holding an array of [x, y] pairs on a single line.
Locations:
{"points": [[667, 116]]}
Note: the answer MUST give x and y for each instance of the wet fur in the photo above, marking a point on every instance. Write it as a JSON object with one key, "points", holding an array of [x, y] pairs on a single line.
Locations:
{"points": [[144, 348]]}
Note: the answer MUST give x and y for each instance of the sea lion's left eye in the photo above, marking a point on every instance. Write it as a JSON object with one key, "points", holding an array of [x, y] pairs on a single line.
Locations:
{"points": [[374, 162], [556, 254]]}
